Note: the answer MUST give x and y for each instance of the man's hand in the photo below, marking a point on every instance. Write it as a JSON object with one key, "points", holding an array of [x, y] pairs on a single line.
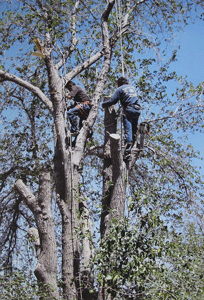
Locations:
{"points": [[104, 104], [106, 98], [68, 96], [71, 104]]}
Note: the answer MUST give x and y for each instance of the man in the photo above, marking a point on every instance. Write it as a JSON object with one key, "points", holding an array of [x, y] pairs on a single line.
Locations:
{"points": [[82, 106], [127, 95]]}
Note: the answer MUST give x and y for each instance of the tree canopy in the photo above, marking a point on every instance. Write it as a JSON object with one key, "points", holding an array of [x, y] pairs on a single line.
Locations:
{"points": [[92, 241]]}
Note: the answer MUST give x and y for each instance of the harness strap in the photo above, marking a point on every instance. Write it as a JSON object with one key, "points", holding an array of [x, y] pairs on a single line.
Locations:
{"points": [[129, 115], [79, 106], [137, 106]]}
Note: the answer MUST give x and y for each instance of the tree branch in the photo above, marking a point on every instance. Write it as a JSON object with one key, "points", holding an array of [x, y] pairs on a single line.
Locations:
{"points": [[96, 151], [73, 37], [5, 76], [81, 139], [86, 64], [26, 194]]}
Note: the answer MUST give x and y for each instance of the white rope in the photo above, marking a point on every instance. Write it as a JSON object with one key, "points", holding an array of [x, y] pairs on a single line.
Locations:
{"points": [[67, 122], [121, 39], [128, 189], [119, 24], [121, 127]]}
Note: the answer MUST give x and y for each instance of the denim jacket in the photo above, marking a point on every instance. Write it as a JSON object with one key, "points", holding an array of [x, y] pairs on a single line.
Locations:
{"points": [[126, 94]]}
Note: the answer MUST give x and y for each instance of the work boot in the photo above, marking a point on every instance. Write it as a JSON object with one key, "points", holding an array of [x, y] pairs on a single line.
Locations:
{"points": [[74, 133], [127, 152], [90, 135], [134, 138]]}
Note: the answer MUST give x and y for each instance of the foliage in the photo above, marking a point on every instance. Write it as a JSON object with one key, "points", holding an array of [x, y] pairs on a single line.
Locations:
{"points": [[142, 255], [20, 286], [146, 261]]}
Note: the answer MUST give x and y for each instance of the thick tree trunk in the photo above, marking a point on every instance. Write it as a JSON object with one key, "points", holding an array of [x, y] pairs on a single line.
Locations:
{"points": [[110, 122], [76, 176], [113, 201], [67, 204], [46, 269], [87, 276], [117, 204]]}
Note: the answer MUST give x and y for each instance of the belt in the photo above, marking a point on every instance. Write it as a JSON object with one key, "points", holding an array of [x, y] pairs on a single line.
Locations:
{"points": [[137, 106], [81, 109], [85, 102]]}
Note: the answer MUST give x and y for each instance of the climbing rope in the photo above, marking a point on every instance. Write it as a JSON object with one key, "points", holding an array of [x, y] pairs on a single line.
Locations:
{"points": [[119, 24], [118, 17]]}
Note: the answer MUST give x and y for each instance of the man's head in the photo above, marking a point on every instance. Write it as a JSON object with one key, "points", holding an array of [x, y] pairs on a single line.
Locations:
{"points": [[69, 85], [122, 80]]}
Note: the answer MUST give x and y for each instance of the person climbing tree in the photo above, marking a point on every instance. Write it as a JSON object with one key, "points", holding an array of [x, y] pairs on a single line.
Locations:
{"points": [[82, 106], [127, 95]]}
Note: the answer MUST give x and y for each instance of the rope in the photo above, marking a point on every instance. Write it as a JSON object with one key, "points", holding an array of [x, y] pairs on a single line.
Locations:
{"points": [[67, 123], [127, 188], [118, 4], [121, 127]]}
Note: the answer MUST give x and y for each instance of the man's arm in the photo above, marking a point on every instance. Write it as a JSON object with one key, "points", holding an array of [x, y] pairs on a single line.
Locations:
{"points": [[113, 100]]}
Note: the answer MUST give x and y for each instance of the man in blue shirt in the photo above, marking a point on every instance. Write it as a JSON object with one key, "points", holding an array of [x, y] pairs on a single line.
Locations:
{"points": [[128, 98]]}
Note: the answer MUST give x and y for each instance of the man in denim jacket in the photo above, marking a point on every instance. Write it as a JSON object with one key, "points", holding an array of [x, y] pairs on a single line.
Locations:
{"points": [[127, 96]]}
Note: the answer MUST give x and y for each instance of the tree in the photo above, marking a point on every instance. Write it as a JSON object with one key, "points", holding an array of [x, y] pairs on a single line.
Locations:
{"points": [[83, 39]]}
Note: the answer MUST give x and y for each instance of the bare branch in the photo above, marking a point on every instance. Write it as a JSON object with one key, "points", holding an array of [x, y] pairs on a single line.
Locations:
{"points": [[96, 151], [24, 191], [5, 76], [90, 61], [176, 114]]}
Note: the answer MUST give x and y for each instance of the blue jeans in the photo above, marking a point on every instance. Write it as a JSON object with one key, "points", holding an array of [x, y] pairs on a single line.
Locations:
{"points": [[130, 121], [81, 111]]}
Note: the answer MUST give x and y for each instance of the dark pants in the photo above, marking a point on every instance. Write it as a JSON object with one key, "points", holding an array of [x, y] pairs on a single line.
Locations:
{"points": [[81, 111], [130, 120]]}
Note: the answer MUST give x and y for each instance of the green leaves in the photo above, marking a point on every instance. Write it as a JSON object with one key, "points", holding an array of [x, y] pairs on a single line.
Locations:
{"points": [[154, 263], [19, 285]]}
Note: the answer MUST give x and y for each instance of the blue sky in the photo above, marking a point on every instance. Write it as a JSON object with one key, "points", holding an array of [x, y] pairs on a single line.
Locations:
{"points": [[191, 63], [191, 54]]}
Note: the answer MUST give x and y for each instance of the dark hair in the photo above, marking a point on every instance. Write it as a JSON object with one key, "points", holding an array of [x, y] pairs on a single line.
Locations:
{"points": [[69, 84], [122, 80]]}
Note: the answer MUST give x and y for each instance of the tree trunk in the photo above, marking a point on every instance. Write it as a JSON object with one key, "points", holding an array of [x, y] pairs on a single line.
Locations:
{"points": [[117, 204], [110, 122], [87, 276], [46, 269], [113, 201], [67, 204]]}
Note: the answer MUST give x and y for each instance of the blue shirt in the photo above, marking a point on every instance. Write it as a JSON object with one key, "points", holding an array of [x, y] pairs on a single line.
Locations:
{"points": [[126, 94]]}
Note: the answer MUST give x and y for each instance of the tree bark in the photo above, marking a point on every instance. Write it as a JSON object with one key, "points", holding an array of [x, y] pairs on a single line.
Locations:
{"points": [[87, 276], [117, 204], [110, 122], [114, 185], [46, 268]]}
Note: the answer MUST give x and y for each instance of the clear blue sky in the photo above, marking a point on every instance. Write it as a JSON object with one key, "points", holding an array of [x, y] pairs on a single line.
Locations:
{"points": [[191, 54], [191, 63]]}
